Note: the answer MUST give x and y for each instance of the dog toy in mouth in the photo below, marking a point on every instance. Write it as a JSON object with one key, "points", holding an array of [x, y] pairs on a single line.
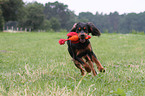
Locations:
{"points": [[73, 37]]}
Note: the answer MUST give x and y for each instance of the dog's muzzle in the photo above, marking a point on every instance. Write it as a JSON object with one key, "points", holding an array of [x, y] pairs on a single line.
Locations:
{"points": [[82, 37]]}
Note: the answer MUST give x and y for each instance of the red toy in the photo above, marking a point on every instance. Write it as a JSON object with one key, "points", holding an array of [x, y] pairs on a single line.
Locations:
{"points": [[73, 36]]}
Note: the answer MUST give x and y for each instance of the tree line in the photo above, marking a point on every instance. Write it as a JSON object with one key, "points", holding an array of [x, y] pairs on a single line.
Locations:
{"points": [[114, 22], [56, 16]]}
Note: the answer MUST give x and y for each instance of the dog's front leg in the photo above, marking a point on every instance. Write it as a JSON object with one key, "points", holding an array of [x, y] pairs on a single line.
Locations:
{"points": [[91, 65], [78, 65], [99, 66], [84, 64]]}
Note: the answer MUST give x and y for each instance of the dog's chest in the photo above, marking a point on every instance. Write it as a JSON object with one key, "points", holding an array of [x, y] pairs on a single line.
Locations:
{"points": [[82, 46], [82, 51]]}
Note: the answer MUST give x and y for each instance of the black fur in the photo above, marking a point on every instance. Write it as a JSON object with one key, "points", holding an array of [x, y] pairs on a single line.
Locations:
{"points": [[90, 28], [77, 51]]}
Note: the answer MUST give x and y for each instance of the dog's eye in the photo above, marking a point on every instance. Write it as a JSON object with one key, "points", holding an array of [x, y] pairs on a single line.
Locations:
{"points": [[79, 29]]}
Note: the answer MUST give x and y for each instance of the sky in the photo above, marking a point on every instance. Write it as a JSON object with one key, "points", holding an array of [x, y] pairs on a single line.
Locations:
{"points": [[101, 6]]}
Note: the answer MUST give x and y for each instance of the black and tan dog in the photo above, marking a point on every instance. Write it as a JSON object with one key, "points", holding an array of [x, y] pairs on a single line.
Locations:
{"points": [[82, 52]]}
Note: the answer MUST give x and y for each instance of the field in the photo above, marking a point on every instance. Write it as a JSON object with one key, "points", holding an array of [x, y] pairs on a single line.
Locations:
{"points": [[34, 64]]}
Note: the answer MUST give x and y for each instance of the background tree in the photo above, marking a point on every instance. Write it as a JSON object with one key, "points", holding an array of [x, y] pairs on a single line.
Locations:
{"points": [[60, 12], [114, 19], [1, 20], [1, 14], [34, 16], [46, 25], [86, 17], [12, 10], [57, 16], [55, 24], [114, 22], [141, 21]]}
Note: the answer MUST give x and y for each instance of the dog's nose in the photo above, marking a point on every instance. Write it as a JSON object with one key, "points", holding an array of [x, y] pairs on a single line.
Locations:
{"points": [[83, 36]]}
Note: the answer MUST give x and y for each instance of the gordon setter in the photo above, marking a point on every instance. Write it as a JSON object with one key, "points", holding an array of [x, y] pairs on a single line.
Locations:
{"points": [[82, 52]]}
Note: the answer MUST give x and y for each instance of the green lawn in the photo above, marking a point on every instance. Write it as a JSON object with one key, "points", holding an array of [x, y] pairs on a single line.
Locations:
{"points": [[34, 64]]}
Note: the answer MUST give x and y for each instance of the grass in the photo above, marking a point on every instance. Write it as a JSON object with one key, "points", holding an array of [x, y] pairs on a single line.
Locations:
{"points": [[33, 64]]}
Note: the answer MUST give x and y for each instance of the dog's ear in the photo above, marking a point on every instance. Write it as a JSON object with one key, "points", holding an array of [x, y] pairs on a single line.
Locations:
{"points": [[93, 30], [73, 29]]}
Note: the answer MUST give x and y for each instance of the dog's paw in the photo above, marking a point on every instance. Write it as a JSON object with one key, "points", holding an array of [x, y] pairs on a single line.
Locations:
{"points": [[102, 70], [94, 73], [82, 72]]}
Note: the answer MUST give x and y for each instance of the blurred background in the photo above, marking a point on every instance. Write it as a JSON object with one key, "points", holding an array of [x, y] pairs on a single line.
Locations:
{"points": [[123, 16]]}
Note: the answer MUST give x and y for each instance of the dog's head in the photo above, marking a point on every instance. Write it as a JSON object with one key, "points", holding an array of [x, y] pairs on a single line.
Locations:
{"points": [[83, 29]]}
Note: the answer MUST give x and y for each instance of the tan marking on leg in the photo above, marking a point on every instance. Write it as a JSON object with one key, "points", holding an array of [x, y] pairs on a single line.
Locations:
{"points": [[100, 67], [91, 65], [86, 66], [78, 65]]}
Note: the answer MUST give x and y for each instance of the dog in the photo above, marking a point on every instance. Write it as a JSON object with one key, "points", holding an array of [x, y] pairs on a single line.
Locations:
{"points": [[81, 52]]}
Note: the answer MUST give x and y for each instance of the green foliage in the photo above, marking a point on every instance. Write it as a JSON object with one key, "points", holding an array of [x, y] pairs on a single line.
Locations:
{"points": [[63, 16], [12, 10], [56, 16], [63, 30], [35, 16], [3, 1], [114, 22], [46, 25], [35, 64], [137, 32], [141, 33], [85, 17], [134, 32], [1, 20], [55, 24], [105, 31]]}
